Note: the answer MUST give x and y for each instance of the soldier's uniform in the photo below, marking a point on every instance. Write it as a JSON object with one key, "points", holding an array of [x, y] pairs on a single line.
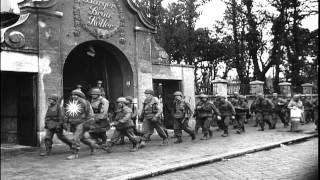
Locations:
{"points": [[263, 109], [235, 102], [103, 94], [227, 112], [316, 112], [241, 113], [196, 116], [206, 110], [150, 116], [308, 110], [101, 124], [124, 125], [54, 125], [181, 113], [79, 114], [134, 115], [278, 111]]}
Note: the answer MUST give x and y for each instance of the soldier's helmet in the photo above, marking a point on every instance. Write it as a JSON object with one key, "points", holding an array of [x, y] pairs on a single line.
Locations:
{"points": [[148, 91], [95, 91], [78, 93], [129, 99], [79, 86], [260, 95], [202, 95], [122, 100], [178, 93], [53, 97], [99, 82], [221, 96]]}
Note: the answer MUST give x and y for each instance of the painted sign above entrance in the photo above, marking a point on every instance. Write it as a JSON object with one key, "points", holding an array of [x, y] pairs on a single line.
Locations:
{"points": [[101, 18]]}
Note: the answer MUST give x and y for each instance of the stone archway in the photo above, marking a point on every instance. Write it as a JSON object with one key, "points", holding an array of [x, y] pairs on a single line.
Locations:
{"points": [[98, 60]]}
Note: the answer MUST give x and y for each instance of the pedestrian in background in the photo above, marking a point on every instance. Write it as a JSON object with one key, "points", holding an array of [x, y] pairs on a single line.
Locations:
{"points": [[296, 109]]}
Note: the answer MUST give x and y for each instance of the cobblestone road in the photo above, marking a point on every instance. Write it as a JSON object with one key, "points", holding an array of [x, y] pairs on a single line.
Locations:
{"points": [[29, 165], [298, 162]]}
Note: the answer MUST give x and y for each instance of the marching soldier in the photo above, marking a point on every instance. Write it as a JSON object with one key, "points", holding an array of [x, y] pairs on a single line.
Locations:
{"points": [[308, 109], [79, 114], [316, 112], [181, 113], [241, 113], [205, 112], [150, 116], [54, 124], [262, 108], [277, 111], [124, 126], [100, 125], [134, 115], [227, 112], [235, 101]]}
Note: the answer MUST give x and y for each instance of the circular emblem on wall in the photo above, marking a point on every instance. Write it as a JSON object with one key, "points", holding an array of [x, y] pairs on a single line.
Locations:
{"points": [[101, 18], [15, 39]]}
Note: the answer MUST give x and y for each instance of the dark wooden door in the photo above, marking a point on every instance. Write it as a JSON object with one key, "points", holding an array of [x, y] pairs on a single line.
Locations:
{"points": [[27, 119]]}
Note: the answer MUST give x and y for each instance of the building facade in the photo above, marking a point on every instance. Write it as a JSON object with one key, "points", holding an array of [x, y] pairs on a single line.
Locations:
{"points": [[57, 44]]}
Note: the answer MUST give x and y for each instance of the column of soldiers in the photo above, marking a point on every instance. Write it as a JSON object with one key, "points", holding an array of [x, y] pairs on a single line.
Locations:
{"points": [[89, 119]]}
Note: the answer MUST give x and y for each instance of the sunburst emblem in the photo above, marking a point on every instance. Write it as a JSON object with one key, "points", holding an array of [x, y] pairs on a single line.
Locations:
{"points": [[73, 108]]}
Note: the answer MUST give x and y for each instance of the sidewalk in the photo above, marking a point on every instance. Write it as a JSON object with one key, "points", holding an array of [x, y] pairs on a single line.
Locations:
{"points": [[151, 160]]}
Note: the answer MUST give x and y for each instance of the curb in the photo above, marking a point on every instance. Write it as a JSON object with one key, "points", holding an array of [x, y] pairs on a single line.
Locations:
{"points": [[209, 159]]}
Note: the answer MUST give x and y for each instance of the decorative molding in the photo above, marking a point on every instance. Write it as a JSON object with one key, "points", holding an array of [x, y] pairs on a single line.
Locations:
{"points": [[22, 19], [15, 39], [141, 17], [37, 4]]}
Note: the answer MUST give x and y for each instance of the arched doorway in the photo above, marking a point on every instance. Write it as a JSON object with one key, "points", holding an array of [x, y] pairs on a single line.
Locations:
{"points": [[98, 60]]}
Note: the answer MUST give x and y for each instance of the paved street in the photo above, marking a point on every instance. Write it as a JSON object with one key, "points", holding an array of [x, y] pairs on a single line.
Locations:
{"points": [[29, 165], [298, 162]]}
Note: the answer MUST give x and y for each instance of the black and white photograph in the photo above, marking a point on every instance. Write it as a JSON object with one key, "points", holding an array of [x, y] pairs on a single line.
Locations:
{"points": [[159, 89]]}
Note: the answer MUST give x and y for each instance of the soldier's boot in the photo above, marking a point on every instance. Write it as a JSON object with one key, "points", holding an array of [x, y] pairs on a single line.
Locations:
{"points": [[47, 152], [193, 136], [196, 129], [74, 155], [225, 133], [93, 149], [261, 129], [134, 148], [122, 142], [210, 133], [239, 131], [179, 140], [165, 142], [142, 144], [204, 137]]}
